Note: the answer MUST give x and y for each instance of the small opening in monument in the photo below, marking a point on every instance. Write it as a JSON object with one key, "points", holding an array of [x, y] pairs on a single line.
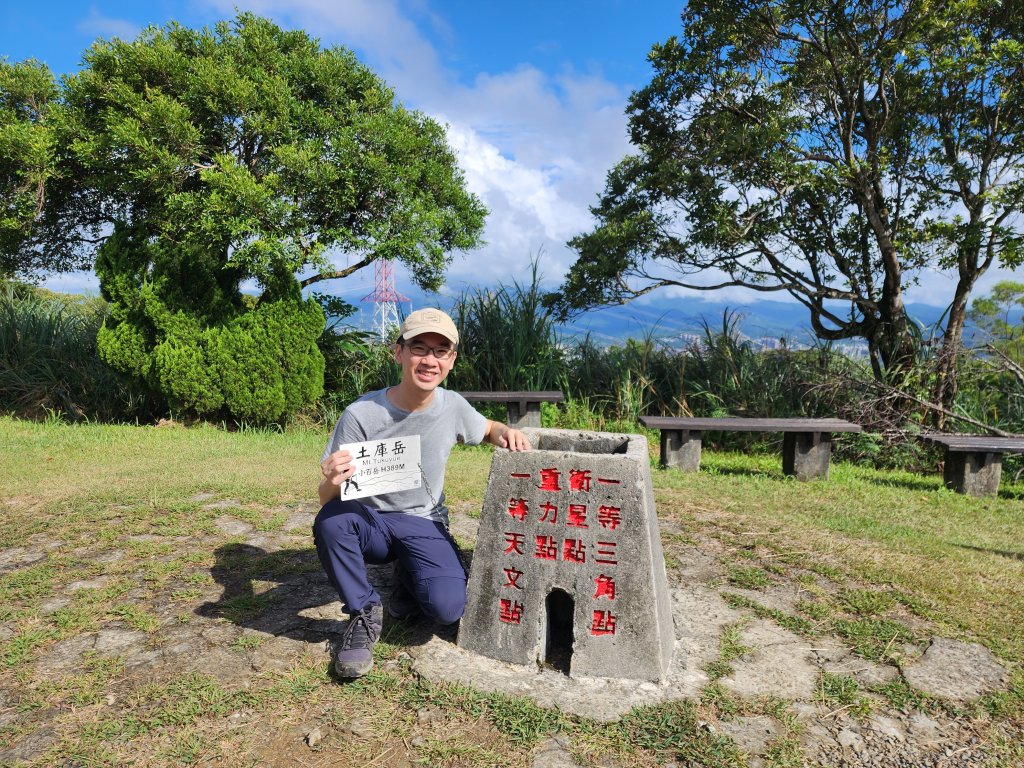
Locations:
{"points": [[558, 647]]}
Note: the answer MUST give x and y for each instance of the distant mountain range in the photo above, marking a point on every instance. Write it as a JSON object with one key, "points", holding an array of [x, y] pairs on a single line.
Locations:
{"points": [[678, 318], [676, 321]]}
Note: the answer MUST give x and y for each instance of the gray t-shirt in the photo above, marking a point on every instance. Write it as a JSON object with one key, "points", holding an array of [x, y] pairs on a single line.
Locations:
{"points": [[449, 419]]}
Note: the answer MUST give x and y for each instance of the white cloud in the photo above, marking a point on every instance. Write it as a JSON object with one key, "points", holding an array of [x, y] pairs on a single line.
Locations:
{"points": [[98, 25]]}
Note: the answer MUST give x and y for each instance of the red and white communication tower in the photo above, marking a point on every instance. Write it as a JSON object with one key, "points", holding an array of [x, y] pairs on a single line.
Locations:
{"points": [[386, 298]]}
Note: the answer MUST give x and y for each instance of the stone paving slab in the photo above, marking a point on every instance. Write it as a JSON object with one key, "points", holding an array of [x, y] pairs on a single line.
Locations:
{"points": [[779, 663], [957, 671]]}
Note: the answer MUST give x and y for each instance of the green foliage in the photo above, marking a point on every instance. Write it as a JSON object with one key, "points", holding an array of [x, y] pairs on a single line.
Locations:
{"points": [[994, 373], [355, 364], [254, 151], [998, 315], [874, 639], [259, 366], [818, 150], [724, 374], [640, 377], [866, 602], [26, 157], [842, 692]]}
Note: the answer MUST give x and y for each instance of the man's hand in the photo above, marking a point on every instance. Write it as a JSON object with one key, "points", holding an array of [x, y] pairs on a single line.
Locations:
{"points": [[505, 436], [336, 469]]}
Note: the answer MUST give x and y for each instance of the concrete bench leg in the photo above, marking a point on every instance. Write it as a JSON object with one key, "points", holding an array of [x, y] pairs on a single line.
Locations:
{"points": [[520, 419], [680, 448], [805, 455], [974, 473]]}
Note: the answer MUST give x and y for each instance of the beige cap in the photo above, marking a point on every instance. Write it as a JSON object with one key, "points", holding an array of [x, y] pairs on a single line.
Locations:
{"points": [[429, 320]]}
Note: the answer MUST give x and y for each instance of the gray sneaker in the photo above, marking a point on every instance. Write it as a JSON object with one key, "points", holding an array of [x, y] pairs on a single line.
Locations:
{"points": [[355, 654], [402, 604]]}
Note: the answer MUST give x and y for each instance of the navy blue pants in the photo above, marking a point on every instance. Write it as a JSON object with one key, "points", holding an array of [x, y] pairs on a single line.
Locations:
{"points": [[349, 534]]}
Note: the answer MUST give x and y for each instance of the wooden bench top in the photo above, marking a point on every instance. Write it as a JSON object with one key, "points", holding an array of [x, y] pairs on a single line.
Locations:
{"points": [[744, 424], [545, 396], [971, 443]]}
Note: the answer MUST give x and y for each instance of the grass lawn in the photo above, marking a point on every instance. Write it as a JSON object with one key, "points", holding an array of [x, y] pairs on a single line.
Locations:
{"points": [[120, 509]]}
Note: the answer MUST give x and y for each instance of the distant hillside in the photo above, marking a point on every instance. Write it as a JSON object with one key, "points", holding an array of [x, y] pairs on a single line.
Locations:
{"points": [[675, 320], [672, 318]]}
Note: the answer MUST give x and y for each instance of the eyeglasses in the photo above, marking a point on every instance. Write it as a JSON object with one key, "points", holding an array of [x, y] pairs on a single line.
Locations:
{"points": [[420, 349]]}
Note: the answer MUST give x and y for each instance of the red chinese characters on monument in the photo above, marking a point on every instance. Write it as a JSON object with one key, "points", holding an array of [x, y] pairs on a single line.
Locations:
{"points": [[547, 549], [550, 513], [549, 479], [606, 553], [514, 543], [605, 587], [511, 612], [578, 514], [579, 479], [574, 551], [512, 576], [518, 508], [603, 623], [609, 517]]}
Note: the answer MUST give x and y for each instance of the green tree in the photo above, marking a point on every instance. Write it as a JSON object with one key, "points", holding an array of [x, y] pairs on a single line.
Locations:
{"points": [[26, 159], [1000, 317], [188, 162], [830, 151]]}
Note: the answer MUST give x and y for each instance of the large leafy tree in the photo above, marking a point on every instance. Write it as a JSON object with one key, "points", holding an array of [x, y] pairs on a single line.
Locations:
{"points": [[257, 146], [827, 150], [188, 162]]}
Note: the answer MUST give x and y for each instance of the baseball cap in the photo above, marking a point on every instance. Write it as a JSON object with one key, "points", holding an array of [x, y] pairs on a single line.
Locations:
{"points": [[429, 320]]}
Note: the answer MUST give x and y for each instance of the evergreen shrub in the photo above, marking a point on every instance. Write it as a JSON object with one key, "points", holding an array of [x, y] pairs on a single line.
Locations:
{"points": [[261, 366]]}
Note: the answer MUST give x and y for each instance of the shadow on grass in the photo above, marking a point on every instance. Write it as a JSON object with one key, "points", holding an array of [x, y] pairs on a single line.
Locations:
{"points": [[1014, 495], [1000, 552], [737, 471], [911, 485], [931, 485], [285, 593]]}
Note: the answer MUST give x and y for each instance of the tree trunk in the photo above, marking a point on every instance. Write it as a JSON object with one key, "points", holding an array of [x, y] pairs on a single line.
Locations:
{"points": [[945, 387], [895, 344]]}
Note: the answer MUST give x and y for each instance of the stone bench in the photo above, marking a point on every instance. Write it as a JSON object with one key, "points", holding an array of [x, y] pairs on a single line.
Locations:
{"points": [[523, 407], [973, 463], [806, 444]]}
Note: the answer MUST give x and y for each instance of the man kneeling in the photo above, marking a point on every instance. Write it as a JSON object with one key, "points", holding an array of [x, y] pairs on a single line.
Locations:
{"points": [[407, 527]]}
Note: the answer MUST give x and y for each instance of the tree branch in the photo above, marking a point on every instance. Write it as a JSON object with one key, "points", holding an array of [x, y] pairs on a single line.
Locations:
{"points": [[339, 273]]}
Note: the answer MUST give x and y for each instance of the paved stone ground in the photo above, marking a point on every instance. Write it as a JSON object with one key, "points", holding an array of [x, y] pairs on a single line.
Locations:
{"points": [[302, 614]]}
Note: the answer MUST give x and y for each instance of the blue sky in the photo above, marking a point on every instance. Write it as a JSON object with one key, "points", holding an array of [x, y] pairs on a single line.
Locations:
{"points": [[533, 94]]}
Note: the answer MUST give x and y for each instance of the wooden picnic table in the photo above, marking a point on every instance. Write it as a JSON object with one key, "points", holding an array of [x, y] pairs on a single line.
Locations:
{"points": [[973, 463], [523, 407], [806, 443]]}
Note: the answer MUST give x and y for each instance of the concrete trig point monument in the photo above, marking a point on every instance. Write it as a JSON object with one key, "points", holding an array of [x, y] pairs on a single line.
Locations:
{"points": [[568, 569]]}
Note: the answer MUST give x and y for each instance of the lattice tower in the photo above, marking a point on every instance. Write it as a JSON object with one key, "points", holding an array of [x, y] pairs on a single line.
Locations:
{"points": [[385, 299]]}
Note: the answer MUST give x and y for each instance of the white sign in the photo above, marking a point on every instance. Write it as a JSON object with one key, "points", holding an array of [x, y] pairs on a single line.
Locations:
{"points": [[383, 466]]}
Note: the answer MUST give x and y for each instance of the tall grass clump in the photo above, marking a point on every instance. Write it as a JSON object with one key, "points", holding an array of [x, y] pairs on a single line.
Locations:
{"points": [[624, 382], [508, 340], [49, 364]]}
